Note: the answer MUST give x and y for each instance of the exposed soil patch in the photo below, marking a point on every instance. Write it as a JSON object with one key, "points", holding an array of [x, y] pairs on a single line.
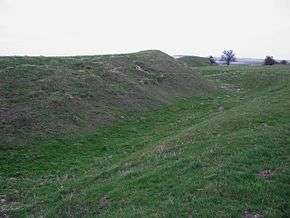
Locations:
{"points": [[14, 114], [221, 109], [3, 214], [248, 214], [6, 202], [265, 174], [104, 202], [161, 148]]}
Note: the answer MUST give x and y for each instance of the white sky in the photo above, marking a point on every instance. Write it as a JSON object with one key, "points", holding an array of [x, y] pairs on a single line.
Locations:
{"points": [[252, 28]]}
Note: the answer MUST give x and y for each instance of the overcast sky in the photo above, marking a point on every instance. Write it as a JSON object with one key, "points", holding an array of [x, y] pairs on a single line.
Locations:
{"points": [[252, 28]]}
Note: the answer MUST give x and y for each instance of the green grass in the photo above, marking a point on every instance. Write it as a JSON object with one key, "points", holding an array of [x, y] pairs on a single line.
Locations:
{"points": [[199, 156]]}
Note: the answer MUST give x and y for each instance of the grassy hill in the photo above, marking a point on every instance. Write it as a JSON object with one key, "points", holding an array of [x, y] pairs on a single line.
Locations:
{"points": [[45, 96], [194, 61], [217, 154]]}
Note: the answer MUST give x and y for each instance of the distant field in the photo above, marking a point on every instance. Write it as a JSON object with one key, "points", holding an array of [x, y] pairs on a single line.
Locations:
{"points": [[222, 153]]}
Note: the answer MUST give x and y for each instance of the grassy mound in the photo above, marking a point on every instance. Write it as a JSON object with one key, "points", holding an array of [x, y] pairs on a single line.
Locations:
{"points": [[195, 61], [43, 96], [222, 154]]}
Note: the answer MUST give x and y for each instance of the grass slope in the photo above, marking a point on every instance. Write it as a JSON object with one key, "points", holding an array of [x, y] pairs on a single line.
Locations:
{"points": [[197, 157], [194, 61], [46, 96]]}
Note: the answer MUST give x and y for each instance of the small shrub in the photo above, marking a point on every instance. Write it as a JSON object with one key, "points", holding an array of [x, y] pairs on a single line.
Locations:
{"points": [[211, 60], [284, 62], [269, 60]]}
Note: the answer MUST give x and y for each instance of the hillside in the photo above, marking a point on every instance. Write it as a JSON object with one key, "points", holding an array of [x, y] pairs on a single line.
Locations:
{"points": [[45, 96], [218, 154], [194, 61]]}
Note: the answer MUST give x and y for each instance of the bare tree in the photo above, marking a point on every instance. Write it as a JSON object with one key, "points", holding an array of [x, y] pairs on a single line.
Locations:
{"points": [[228, 56]]}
